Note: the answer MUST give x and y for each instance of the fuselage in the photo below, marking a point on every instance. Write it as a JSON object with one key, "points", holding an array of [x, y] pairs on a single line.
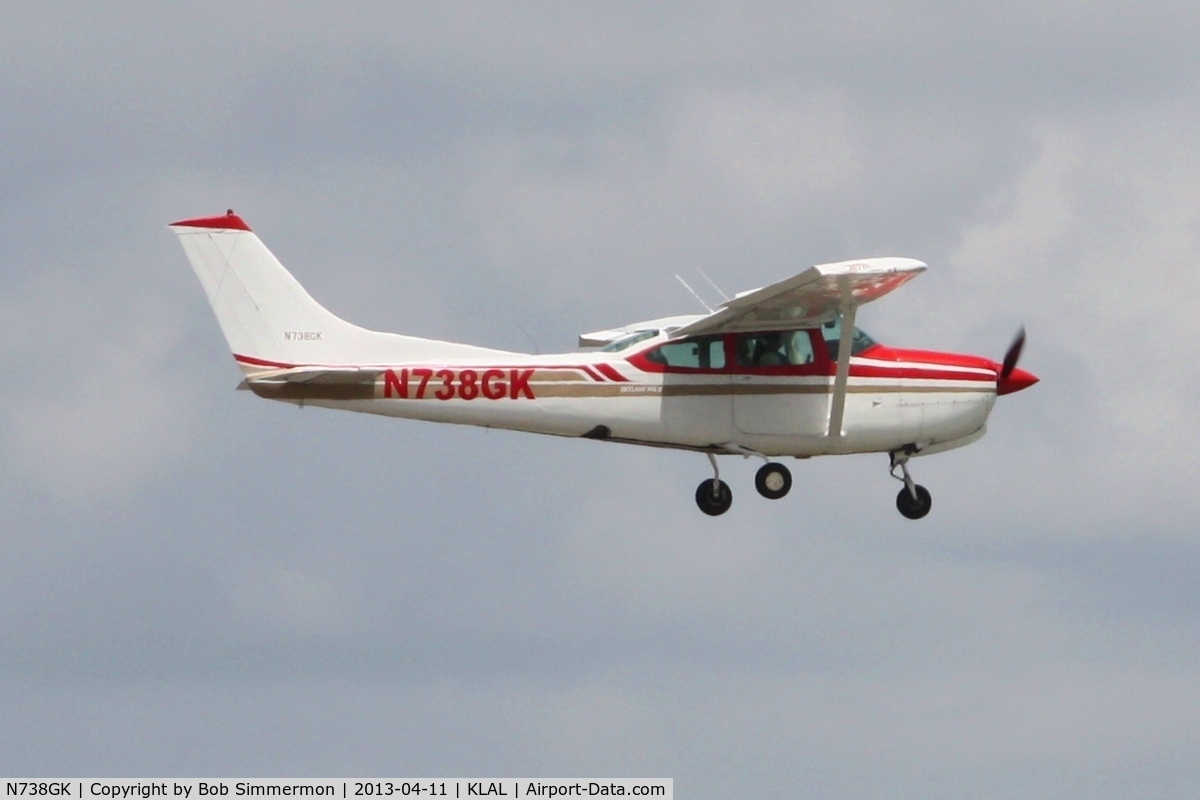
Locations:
{"points": [[768, 393]]}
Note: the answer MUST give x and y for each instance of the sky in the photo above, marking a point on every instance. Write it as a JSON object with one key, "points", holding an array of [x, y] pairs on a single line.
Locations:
{"points": [[198, 583]]}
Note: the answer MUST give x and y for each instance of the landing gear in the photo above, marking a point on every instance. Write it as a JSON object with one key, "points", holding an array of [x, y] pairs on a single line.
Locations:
{"points": [[714, 495], [914, 504], [773, 480], [914, 501]]}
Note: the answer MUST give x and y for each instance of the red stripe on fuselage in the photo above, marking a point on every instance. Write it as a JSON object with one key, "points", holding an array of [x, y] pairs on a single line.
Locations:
{"points": [[881, 352], [590, 371], [923, 365], [928, 366], [612, 373], [917, 372]]}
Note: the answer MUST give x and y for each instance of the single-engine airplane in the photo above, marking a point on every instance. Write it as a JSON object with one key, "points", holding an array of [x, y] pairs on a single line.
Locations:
{"points": [[775, 371]]}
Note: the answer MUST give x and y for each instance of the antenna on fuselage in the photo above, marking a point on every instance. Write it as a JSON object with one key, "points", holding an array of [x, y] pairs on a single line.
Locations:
{"points": [[724, 296], [693, 291]]}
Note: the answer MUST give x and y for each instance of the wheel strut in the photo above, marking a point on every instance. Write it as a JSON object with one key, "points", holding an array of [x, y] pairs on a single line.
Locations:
{"points": [[914, 500], [713, 496], [900, 460]]}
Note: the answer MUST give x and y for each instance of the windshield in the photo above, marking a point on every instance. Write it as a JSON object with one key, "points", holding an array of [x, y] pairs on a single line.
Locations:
{"points": [[832, 331], [628, 341]]}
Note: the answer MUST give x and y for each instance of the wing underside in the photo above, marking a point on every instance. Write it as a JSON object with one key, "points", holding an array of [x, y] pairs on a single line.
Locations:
{"points": [[801, 301], [809, 298]]}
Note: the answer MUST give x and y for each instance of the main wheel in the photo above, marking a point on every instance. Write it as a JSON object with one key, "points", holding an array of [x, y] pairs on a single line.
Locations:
{"points": [[714, 497], [773, 481], [914, 508]]}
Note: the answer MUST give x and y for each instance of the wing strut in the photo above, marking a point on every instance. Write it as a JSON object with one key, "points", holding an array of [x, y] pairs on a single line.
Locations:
{"points": [[845, 344]]}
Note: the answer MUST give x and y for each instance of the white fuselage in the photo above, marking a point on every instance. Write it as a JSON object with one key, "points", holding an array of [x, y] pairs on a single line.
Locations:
{"points": [[892, 401]]}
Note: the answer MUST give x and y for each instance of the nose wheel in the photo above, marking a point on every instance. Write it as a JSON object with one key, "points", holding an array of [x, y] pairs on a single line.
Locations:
{"points": [[914, 500], [914, 504]]}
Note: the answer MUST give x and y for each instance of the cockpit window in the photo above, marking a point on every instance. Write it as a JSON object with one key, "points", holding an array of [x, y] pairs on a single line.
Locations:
{"points": [[703, 353], [628, 341], [832, 332], [774, 349]]}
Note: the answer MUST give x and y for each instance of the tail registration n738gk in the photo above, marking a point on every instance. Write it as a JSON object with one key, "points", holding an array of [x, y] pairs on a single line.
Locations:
{"points": [[776, 371]]}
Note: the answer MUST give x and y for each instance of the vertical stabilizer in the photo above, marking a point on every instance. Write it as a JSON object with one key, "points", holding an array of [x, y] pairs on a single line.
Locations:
{"points": [[270, 320]]}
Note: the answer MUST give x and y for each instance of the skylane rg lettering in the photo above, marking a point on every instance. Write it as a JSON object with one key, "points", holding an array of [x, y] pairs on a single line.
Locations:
{"points": [[466, 384]]}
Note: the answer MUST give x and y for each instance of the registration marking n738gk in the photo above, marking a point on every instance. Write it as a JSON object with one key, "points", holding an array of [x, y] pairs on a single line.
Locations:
{"points": [[466, 384]]}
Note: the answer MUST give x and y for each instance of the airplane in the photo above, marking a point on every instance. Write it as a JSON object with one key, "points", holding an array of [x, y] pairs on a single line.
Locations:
{"points": [[773, 372]]}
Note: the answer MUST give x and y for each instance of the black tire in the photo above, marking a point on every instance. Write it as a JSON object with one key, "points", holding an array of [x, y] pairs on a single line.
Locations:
{"points": [[773, 481], [914, 508], [714, 497]]}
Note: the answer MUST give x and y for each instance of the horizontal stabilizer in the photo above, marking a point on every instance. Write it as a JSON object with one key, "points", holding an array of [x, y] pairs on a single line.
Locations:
{"points": [[318, 375]]}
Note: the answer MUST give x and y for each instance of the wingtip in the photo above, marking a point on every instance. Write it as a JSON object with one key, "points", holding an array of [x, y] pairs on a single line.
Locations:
{"points": [[226, 221]]}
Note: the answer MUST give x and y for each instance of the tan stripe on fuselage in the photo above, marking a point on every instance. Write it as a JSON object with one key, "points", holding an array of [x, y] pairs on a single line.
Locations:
{"points": [[543, 375], [556, 386]]}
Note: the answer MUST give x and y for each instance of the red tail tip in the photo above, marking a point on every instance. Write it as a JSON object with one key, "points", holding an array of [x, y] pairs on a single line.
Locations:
{"points": [[229, 221]]}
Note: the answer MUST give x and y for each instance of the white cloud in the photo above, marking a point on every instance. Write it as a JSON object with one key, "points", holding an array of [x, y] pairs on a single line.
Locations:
{"points": [[1097, 253]]}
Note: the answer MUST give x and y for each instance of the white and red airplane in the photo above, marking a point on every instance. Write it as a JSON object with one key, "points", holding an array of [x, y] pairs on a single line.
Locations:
{"points": [[776, 371]]}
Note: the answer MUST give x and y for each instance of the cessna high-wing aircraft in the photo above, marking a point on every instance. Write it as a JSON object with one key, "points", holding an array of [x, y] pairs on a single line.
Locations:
{"points": [[776, 371]]}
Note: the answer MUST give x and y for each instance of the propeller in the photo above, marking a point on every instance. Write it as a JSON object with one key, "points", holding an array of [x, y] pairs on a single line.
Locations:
{"points": [[1010, 379], [1013, 355]]}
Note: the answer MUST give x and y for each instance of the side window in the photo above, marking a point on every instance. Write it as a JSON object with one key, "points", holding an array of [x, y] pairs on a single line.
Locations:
{"points": [[716, 353], [800, 349], [774, 349], [703, 353]]}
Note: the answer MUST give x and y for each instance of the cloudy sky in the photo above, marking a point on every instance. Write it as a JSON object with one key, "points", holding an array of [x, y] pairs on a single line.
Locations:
{"points": [[195, 582]]}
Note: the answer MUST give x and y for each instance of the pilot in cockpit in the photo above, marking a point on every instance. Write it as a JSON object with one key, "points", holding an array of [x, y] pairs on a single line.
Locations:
{"points": [[768, 350]]}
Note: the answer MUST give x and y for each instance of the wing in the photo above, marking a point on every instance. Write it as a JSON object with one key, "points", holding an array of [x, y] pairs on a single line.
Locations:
{"points": [[808, 299]]}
